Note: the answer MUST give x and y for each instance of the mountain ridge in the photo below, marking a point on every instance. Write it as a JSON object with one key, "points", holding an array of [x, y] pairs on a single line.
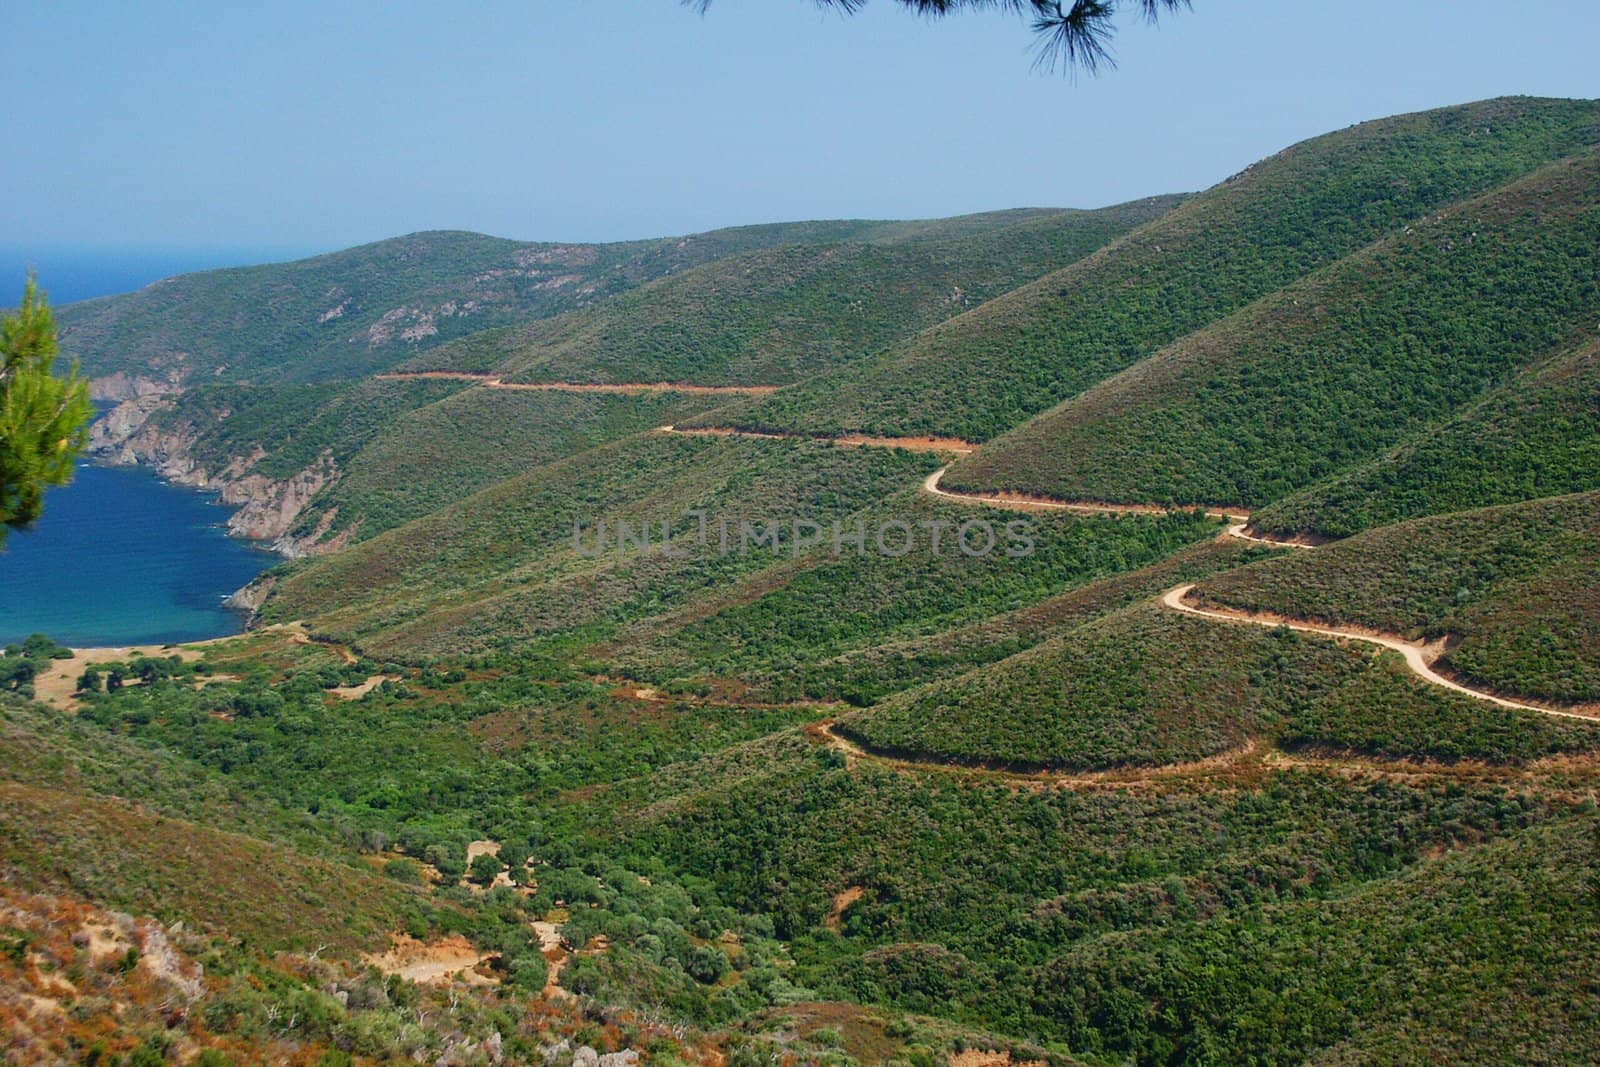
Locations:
{"points": [[583, 733]]}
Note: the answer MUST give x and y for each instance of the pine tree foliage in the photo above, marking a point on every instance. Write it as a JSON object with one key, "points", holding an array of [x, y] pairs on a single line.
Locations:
{"points": [[1072, 34], [44, 418]]}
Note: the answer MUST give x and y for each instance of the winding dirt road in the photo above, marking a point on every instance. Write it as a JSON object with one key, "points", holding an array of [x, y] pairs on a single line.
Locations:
{"points": [[1023, 501], [948, 445], [1223, 764], [1014, 501], [1417, 656], [494, 381]]}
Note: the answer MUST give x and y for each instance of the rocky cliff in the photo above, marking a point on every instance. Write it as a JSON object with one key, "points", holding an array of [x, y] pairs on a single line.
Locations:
{"points": [[268, 508], [119, 387]]}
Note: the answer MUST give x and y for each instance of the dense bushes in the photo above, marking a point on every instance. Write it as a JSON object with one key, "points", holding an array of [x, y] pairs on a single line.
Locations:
{"points": [[1386, 710], [1332, 370], [500, 569], [428, 457], [780, 621], [1076, 917], [278, 431], [1457, 962], [1145, 686], [1281, 219], [1536, 436], [1519, 585], [868, 672], [780, 314], [1148, 686]]}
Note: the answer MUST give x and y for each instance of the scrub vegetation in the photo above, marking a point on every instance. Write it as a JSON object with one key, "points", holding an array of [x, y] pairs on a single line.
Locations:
{"points": [[475, 789]]}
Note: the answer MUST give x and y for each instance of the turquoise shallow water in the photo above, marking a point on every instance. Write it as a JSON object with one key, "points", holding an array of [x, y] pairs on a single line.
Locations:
{"points": [[120, 557]]}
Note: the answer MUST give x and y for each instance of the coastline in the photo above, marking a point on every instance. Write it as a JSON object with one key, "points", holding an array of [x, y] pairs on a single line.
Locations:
{"points": [[124, 557], [56, 686], [243, 602], [128, 433]]}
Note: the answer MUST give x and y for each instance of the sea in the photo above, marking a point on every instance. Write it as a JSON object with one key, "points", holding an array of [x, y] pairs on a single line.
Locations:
{"points": [[121, 557]]}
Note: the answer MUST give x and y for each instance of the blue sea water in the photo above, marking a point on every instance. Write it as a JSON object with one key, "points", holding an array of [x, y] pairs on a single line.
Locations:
{"points": [[67, 273], [120, 558]]}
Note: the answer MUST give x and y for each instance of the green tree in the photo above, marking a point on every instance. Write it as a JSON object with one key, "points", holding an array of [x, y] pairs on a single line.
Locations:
{"points": [[44, 419], [485, 868], [706, 964], [529, 970], [17, 671]]}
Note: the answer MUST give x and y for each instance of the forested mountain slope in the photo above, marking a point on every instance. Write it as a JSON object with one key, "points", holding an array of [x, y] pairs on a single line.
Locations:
{"points": [[780, 314], [503, 567], [366, 309], [991, 369], [435, 455], [1157, 920], [1334, 369], [276, 424], [1537, 435], [1148, 687], [318, 464], [1159, 787]]}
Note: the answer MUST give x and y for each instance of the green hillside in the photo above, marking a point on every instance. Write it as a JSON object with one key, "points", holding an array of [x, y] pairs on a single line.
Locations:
{"points": [[1454, 961], [1147, 924], [728, 749], [1334, 369], [875, 669], [779, 627], [277, 431], [59, 841], [100, 815], [1088, 700], [393, 450], [367, 309], [1148, 686], [499, 568], [434, 455], [1517, 585], [1537, 435], [859, 285], [777, 315], [1281, 219]]}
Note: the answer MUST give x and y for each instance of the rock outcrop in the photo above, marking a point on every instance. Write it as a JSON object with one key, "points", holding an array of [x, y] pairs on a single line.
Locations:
{"points": [[251, 597], [268, 508], [118, 387]]}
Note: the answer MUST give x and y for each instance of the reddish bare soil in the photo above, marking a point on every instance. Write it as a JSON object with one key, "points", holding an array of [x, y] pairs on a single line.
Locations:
{"points": [[494, 381]]}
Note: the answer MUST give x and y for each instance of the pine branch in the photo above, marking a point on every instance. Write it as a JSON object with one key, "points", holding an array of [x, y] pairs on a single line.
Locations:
{"points": [[1073, 36]]}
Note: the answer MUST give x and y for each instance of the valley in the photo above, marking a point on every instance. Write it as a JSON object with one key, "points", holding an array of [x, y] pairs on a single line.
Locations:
{"points": [[1274, 737]]}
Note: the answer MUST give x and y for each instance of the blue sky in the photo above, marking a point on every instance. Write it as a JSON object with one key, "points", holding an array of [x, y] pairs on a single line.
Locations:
{"points": [[320, 125]]}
